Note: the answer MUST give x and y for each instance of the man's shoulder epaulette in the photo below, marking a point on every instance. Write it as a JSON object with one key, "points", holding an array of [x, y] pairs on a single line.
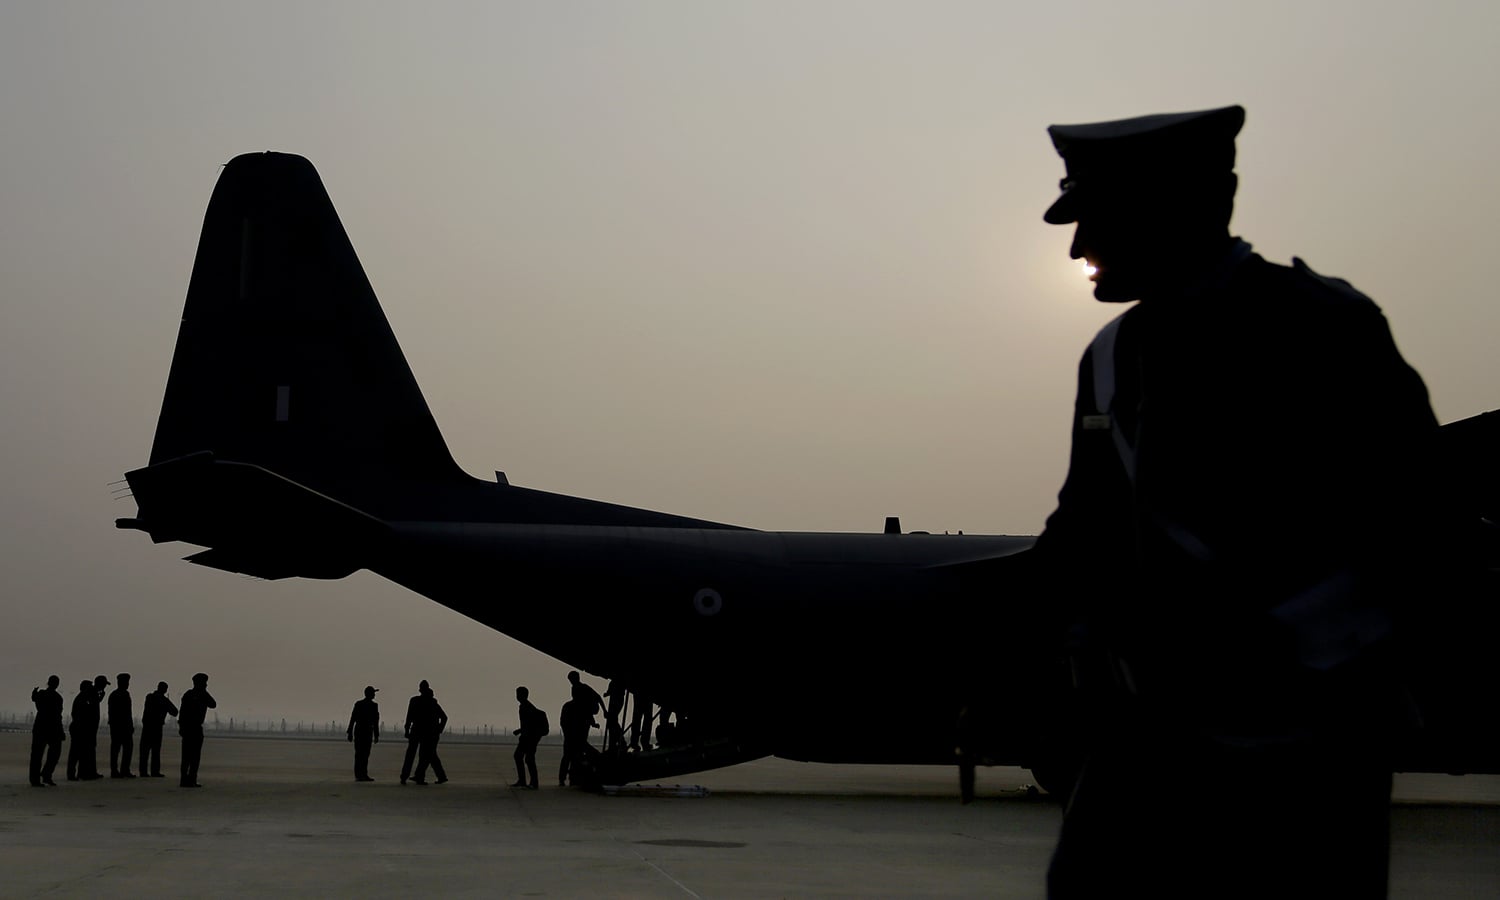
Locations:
{"points": [[1337, 286]]}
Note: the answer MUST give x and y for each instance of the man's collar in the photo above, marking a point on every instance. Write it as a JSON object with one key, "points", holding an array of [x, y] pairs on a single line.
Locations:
{"points": [[1213, 277], [1239, 251]]}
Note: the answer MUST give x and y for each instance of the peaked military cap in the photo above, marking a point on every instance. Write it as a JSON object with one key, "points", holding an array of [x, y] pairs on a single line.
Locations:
{"points": [[1170, 148]]}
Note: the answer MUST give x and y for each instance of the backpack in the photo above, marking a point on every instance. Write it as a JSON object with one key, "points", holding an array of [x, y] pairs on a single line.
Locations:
{"points": [[541, 720]]}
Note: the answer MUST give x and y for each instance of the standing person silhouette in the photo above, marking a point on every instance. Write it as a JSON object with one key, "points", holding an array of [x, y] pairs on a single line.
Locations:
{"points": [[364, 730], [533, 728], [82, 760], [413, 741], [576, 718], [575, 722], [425, 721], [196, 703], [1231, 540], [46, 733], [428, 726], [101, 687], [121, 728], [154, 711], [78, 716]]}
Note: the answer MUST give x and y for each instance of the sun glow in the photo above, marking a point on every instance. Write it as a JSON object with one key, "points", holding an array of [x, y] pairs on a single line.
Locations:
{"points": [[1089, 269]]}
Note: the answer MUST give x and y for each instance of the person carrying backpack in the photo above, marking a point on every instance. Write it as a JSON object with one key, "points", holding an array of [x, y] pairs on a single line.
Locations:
{"points": [[533, 729]]}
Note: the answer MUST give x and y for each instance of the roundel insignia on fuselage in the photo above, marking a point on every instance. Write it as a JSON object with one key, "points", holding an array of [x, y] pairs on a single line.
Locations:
{"points": [[708, 602]]}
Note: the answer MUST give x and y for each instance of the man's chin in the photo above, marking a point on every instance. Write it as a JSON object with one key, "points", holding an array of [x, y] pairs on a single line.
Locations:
{"points": [[1114, 289]]}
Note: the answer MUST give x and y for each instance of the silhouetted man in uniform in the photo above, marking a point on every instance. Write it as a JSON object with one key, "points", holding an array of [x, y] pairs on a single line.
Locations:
{"points": [[413, 741], [121, 729], [533, 729], [1247, 446], [82, 762], [154, 711], [79, 715], [46, 733], [195, 706], [425, 721], [364, 729]]}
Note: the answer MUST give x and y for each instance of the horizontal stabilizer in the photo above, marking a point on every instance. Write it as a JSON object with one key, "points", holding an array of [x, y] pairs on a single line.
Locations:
{"points": [[256, 522]]}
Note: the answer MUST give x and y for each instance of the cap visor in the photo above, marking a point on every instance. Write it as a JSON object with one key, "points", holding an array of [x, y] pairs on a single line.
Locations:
{"points": [[1063, 211]]}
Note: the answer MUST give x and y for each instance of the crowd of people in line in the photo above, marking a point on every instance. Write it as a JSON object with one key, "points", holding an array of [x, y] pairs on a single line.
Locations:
{"points": [[48, 734], [425, 722]]}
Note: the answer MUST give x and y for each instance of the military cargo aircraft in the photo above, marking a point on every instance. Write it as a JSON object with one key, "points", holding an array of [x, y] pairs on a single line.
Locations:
{"points": [[293, 441]]}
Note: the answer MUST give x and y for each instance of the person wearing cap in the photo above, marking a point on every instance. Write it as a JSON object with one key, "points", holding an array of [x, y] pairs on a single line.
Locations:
{"points": [[364, 729], [1247, 444], [196, 702], [154, 711], [82, 763], [121, 728], [46, 733]]}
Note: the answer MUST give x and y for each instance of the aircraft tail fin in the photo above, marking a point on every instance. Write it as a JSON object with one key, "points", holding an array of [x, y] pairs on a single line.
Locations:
{"points": [[284, 358]]}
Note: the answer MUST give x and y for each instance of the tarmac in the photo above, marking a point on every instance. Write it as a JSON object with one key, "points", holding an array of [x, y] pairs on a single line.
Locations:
{"points": [[284, 817]]}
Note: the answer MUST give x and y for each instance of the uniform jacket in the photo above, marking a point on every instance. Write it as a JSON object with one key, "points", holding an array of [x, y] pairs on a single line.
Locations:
{"points": [[121, 716], [196, 703], [86, 712], [425, 716], [1278, 455], [365, 716], [155, 709], [49, 707]]}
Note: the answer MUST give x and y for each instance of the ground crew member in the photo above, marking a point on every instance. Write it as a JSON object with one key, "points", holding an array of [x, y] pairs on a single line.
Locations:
{"points": [[82, 762], [425, 721], [195, 706], [46, 733], [154, 711], [121, 728], [364, 729]]}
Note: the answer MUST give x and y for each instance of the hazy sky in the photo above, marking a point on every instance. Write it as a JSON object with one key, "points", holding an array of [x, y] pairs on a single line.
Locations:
{"points": [[779, 264]]}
